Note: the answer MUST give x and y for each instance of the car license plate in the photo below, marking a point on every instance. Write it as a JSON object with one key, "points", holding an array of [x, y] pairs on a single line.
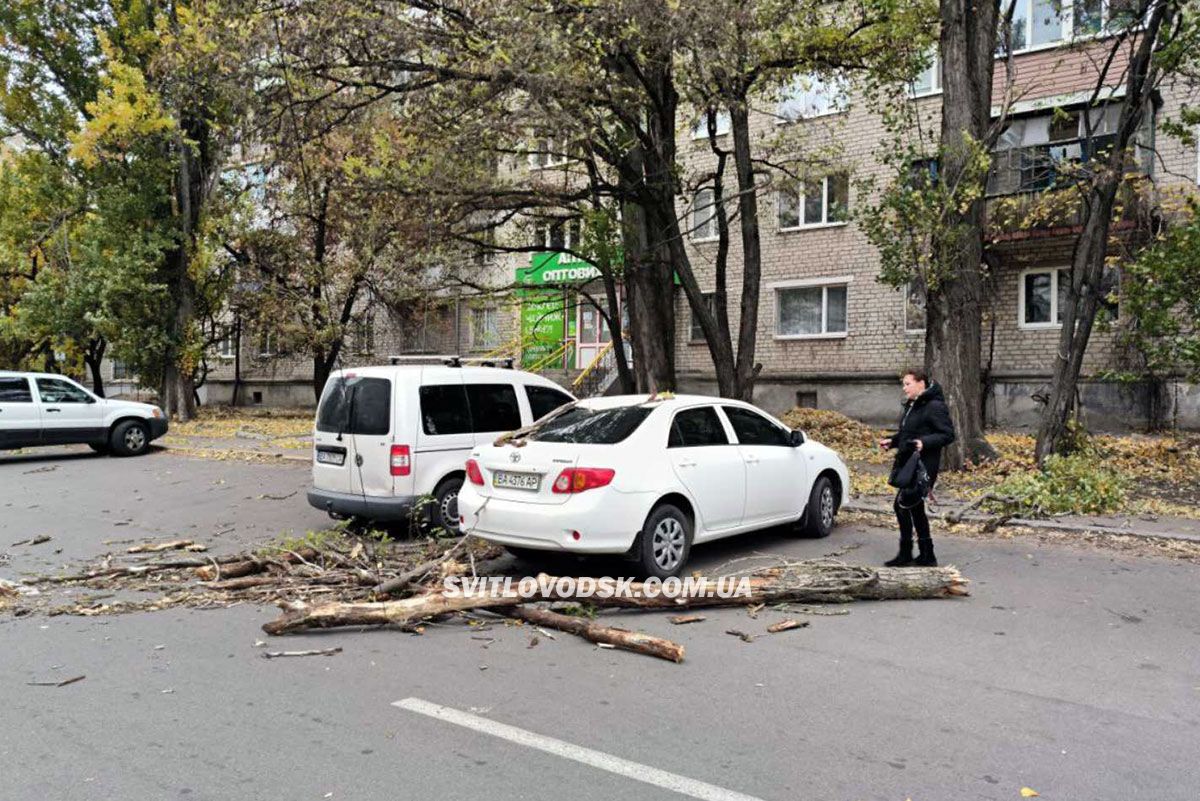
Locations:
{"points": [[521, 481], [331, 457]]}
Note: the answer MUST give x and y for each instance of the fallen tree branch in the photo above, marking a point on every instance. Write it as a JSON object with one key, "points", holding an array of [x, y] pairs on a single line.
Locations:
{"points": [[802, 582], [956, 517], [173, 545], [594, 632], [299, 615], [318, 652], [405, 579]]}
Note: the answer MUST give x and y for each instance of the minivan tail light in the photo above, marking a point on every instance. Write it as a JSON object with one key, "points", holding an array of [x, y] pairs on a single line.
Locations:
{"points": [[401, 460], [474, 474], [581, 479]]}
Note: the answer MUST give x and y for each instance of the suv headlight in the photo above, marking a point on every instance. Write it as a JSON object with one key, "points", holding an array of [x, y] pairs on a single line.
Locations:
{"points": [[156, 412]]}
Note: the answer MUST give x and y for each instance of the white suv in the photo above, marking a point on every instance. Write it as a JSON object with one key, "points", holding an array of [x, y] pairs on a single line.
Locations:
{"points": [[47, 409], [386, 436]]}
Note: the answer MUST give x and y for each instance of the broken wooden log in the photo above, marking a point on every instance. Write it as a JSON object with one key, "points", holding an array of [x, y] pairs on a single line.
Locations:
{"points": [[298, 616], [173, 545], [634, 641], [803, 582], [255, 564]]}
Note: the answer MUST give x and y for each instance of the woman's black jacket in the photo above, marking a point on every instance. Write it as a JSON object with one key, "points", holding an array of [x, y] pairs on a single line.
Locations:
{"points": [[928, 419]]}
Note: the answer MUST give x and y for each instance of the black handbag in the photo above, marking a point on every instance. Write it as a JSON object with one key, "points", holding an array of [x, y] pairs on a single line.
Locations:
{"points": [[911, 479]]}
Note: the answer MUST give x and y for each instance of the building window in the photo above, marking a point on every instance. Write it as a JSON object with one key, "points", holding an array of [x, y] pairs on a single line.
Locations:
{"points": [[813, 96], [824, 201], [548, 151], [227, 348], [704, 215], [267, 344], [807, 309], [697, 333], [929, 81], [485, 328], [1043, 297], [557, 235], [363, 335], [914, 307], [1042, 23], [121, 371], [700, 126]]}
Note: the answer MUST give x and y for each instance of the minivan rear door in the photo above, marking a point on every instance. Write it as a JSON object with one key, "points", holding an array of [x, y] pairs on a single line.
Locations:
{"points": [[334, 455], [371, 427]]}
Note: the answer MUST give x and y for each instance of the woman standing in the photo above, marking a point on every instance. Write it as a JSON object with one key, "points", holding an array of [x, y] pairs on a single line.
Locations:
{"points": [[927, 428]]}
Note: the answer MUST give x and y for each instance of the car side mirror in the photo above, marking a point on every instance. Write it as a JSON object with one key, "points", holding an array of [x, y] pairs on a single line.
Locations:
{"points": [[90, 399], [797, 439]]}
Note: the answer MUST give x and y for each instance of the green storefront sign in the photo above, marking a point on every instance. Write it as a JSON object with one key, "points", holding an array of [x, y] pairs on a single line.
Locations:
{"points": [[547, 319]]}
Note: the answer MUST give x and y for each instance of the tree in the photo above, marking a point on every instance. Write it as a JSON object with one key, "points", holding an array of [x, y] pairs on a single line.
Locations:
{"points": [[737, 54], [1156, 39], [1160, 294]]}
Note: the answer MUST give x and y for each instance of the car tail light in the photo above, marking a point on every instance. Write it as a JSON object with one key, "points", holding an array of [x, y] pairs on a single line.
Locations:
{"points": [[581, 479], [474, 473], [401, 460]]}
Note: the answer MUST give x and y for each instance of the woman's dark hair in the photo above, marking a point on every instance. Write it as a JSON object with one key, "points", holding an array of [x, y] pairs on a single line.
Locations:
{"points": [[918, 374]]}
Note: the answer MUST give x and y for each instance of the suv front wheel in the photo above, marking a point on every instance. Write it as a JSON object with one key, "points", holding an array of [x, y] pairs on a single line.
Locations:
{"points": [[130, 438]]}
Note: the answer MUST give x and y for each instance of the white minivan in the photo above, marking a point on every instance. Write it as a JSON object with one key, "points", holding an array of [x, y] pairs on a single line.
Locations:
{"points": [[386, 436]]}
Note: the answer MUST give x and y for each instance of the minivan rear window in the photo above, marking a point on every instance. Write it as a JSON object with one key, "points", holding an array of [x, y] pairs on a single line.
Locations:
{"points": [[356, 406], [593, 426], [468, 408]]}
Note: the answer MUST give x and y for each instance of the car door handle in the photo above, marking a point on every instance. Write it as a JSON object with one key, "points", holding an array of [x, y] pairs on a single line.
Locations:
{"points": [[54, 410], [752, 460], [687, 464]]}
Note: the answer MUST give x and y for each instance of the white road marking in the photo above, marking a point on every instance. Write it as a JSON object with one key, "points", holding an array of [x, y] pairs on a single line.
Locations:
{"points": [[577, 753]]}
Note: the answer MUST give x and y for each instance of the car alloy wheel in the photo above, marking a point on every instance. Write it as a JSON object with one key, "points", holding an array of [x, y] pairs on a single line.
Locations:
{"points": [[667, 543], [827, 506], [135, 439]]}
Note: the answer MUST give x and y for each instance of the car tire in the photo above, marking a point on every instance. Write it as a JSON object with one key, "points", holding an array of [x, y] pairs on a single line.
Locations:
{"points": [[130, 438], [821, 510], [445, 504], [665, 542], [100, 447]]}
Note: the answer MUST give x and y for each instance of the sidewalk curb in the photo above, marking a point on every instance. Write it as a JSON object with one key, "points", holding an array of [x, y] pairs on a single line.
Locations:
{"points": [[185, 450], [1048, 525]]}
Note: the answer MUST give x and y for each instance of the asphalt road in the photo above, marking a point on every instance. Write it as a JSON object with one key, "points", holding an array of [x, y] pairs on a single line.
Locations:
{"points": [[1069, 671]]}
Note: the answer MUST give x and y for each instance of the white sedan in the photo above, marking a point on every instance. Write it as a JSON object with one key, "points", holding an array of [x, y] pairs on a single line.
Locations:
{"points": [[648, 478]]}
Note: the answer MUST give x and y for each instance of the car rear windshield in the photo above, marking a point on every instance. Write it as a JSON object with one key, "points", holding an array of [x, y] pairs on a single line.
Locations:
{"points": [[356, 406], [593, 426]]}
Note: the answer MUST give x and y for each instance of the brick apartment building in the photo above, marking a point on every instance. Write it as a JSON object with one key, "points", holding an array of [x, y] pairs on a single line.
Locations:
{"points": [[829, 334]]}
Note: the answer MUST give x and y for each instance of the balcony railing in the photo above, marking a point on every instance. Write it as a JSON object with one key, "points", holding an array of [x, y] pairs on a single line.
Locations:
{"points": [[1037, 167]]}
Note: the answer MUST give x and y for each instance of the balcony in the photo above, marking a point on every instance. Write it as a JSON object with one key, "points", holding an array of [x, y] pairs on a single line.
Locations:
{"points": [[1034, 168], [1030, 190]]}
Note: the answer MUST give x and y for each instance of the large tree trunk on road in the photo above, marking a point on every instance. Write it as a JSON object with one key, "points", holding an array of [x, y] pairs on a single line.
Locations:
{"points": [[803, 582]]}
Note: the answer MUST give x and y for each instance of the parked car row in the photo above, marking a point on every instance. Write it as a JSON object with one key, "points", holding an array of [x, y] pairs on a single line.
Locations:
{"points": [[629, 475], [46, 409]]}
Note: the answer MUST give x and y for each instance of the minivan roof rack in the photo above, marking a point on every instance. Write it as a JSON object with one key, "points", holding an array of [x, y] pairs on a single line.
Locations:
{"points": [[458, 361]]}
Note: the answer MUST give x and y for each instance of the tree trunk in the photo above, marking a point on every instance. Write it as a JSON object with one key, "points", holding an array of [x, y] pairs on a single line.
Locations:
{"points": [[1091, 249], [746, 371], [237, 361], [802, 582], [953, 340], [653, 359], [93, 357]]}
